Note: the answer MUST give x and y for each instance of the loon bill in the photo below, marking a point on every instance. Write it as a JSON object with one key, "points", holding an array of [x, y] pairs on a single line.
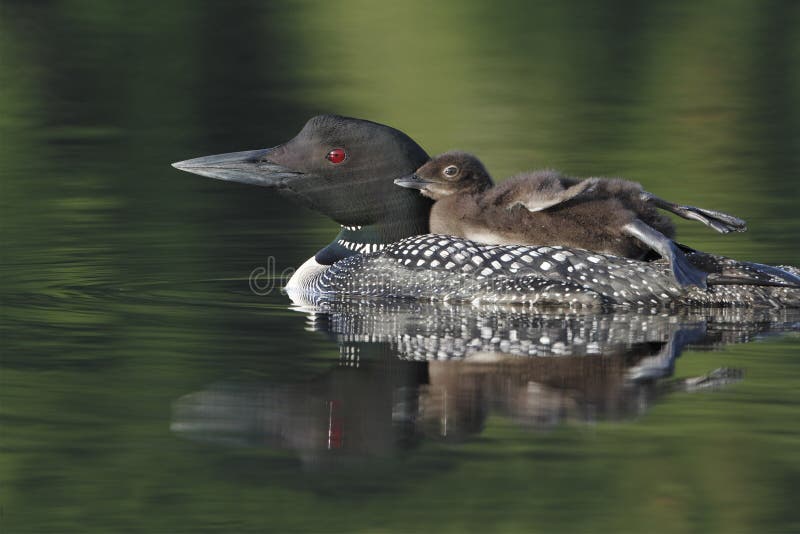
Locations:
{"points": [[345, 168]]}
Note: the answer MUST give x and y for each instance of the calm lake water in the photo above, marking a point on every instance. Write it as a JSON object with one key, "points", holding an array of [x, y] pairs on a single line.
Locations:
{"points": [[145, 387]]}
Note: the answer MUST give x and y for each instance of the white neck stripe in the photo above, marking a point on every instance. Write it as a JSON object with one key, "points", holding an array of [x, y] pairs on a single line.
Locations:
{"points": [[361, 247]]}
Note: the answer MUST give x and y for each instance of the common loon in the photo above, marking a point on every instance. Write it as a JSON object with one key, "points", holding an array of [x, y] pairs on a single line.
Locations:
{"points": [[547, 208], [345, 168]]}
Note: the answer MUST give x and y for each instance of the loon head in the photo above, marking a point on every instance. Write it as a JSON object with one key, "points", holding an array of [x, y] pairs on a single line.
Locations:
{"points": [[341, 167], [449, 173]]}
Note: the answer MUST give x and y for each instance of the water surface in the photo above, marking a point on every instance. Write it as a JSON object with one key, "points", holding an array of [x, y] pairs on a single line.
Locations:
{"points": [[146, 387]]}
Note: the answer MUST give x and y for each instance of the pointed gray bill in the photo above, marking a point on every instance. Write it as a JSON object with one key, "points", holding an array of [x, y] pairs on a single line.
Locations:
{"points": [[248, 167]]}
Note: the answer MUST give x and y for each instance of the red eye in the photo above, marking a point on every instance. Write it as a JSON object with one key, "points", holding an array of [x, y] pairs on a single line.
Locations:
{"points": [[337, 155]]}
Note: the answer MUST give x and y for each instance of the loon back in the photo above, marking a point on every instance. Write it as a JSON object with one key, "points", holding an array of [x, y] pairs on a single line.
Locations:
{"points": [[446, 268], [346, 168]]}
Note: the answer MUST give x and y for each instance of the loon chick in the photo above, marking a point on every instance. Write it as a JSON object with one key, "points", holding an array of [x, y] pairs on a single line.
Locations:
{"points": [[345, 168], [612, 216]]}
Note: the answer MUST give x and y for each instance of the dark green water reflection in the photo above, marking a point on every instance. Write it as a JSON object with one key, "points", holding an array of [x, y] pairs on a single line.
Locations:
{"points": [[124, 282]]}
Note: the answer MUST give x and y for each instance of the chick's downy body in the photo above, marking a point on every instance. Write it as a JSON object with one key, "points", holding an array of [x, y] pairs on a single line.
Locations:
{"points": [[613, 216], [593, 221]]}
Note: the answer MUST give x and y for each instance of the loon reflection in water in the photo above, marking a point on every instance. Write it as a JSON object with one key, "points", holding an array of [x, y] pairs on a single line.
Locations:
{"points": [[410, 371]]}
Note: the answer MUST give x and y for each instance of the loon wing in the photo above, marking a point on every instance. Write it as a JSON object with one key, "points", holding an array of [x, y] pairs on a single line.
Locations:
{"points": [[547, 197], [727, 271]]}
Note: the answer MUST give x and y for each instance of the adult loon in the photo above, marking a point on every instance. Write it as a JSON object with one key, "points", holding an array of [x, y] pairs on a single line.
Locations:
{"points": [[345, 168], [614, 216]]}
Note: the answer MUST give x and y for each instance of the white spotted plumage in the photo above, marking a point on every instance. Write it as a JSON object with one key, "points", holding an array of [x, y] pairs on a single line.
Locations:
{"points": [[449, 268]]}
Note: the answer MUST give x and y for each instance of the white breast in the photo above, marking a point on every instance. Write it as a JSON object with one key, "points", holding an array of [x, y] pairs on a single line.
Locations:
{"points": [[304, 276]]}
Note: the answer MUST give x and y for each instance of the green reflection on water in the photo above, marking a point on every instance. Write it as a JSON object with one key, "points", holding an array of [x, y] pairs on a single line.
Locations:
{"points": [[112, 305]]}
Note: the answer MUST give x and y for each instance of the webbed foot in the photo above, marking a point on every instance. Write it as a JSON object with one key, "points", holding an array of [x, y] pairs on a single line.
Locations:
{"points": [[684, 272], [721, 222]]}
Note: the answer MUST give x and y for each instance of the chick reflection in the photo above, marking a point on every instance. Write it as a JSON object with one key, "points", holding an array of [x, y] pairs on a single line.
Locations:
{"points": [[534, 392]]}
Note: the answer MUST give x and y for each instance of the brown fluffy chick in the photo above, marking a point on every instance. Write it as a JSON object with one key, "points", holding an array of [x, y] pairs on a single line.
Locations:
{"points": [[613, 216]]}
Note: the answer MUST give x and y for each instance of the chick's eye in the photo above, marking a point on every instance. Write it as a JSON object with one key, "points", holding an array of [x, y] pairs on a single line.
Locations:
{"points": [[451, 170], [337, 155]]}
